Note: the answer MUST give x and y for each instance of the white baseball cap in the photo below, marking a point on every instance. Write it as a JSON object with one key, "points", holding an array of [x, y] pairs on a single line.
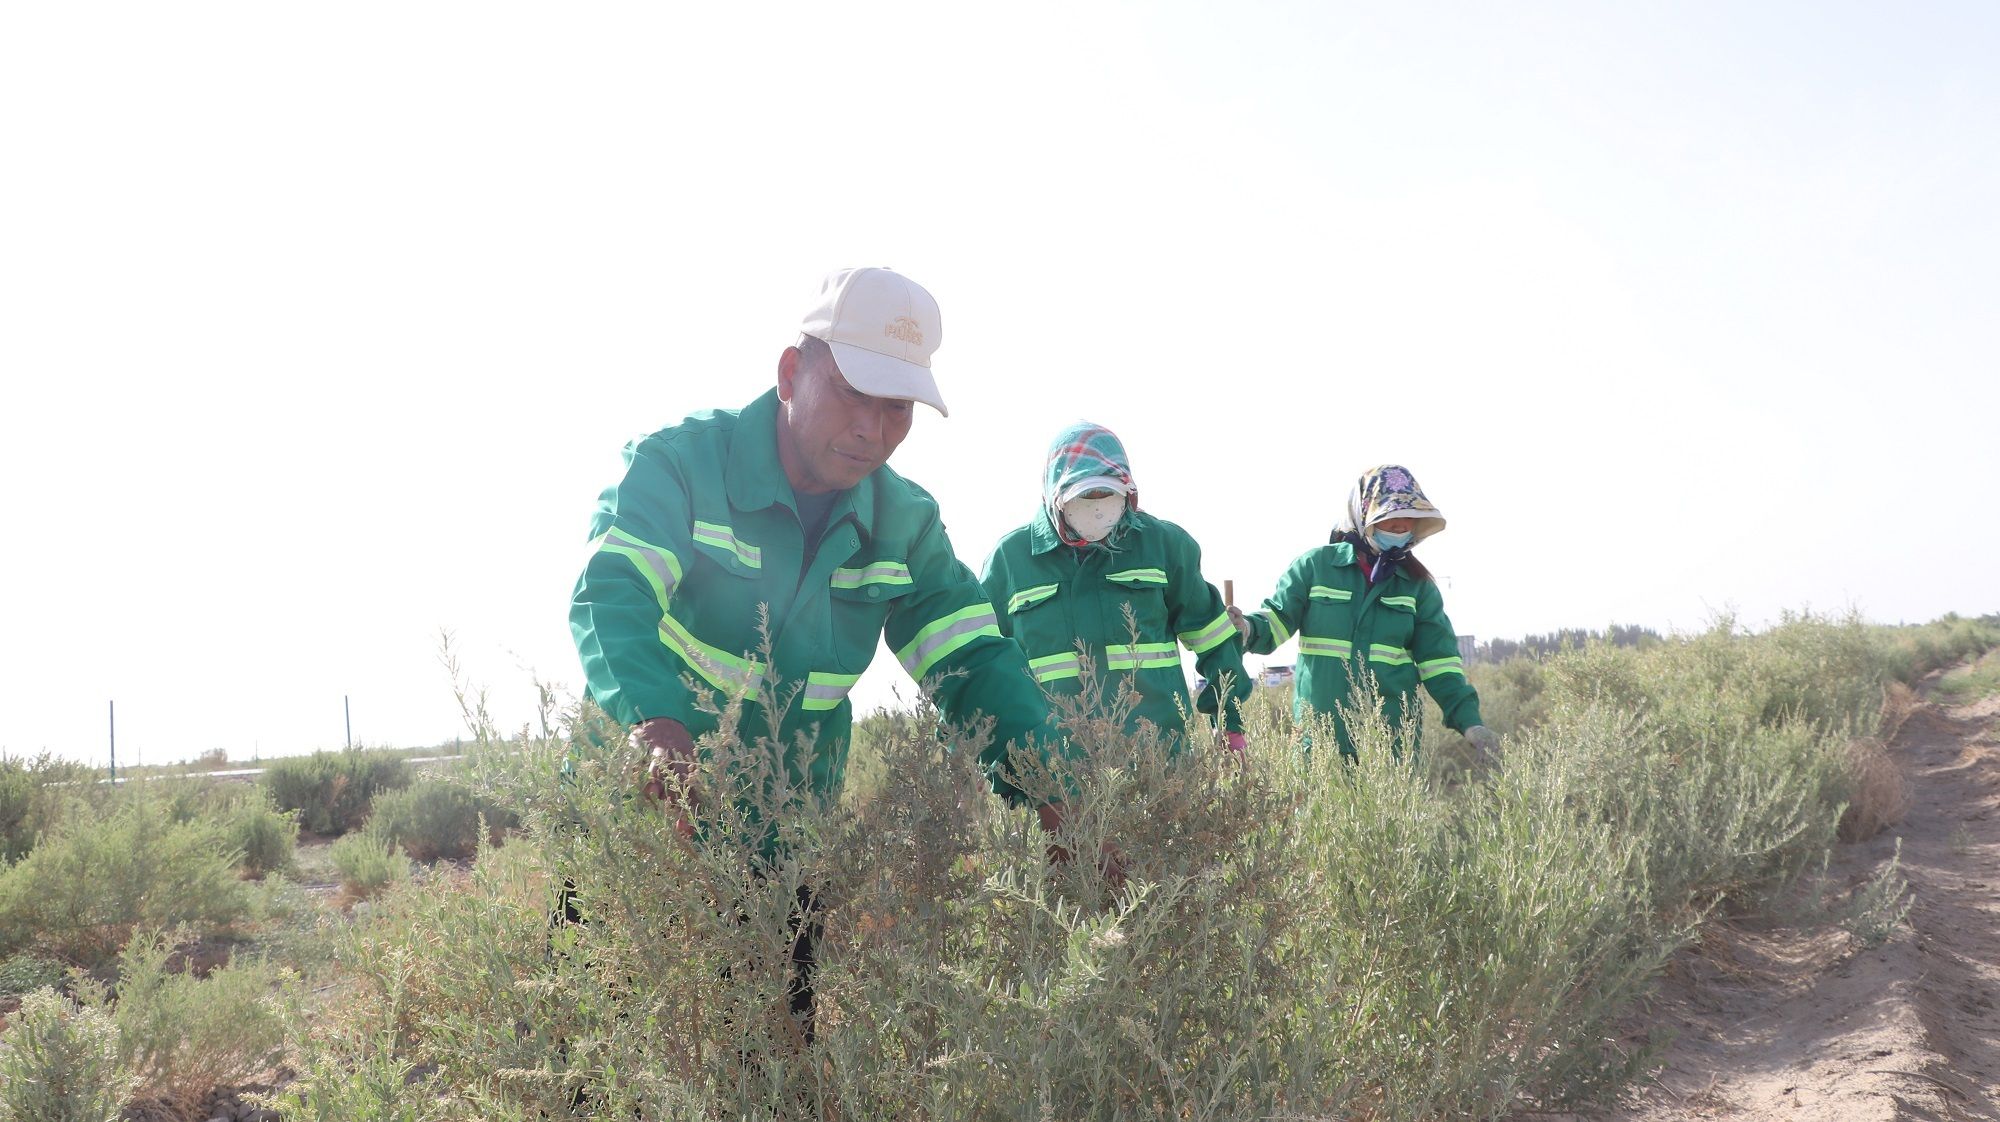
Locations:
{"points": [[882, 328]]}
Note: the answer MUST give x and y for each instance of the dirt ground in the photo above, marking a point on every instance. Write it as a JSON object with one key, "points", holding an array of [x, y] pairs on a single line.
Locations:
{"points": [[1805, 1024]]}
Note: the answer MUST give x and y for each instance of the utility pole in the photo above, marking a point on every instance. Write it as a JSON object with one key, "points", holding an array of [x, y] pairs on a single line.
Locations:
{"points": [[113, 713], [347, 714]]}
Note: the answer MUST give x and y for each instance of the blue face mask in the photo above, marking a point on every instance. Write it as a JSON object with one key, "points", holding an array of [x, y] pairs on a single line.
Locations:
{"points": [[1386, 542]]}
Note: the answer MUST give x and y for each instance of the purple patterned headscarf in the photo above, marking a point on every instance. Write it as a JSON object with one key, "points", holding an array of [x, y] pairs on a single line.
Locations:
{"points": [[1389, 491]]}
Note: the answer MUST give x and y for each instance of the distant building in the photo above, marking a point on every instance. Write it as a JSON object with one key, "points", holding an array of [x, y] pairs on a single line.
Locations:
{"points": [[1275, 676], [1468, 645]]}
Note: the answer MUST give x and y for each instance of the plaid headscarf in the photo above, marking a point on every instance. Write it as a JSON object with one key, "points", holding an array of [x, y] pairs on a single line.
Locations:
{"points": [[1085, 455]]}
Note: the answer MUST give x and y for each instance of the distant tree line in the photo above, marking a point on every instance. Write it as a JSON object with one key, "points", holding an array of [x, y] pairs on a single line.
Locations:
{"points": [[1539, 646]]}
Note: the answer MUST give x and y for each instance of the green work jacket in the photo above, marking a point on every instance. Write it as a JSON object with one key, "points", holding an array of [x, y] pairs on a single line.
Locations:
{"points": [[1049, 595], [703, 532], [1395, 628]]}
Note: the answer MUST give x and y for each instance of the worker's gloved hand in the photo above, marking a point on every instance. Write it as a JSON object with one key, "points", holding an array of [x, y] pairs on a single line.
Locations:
{"points": [[1243, 628], [1234, 744], [670, 755], [1485, 742]]}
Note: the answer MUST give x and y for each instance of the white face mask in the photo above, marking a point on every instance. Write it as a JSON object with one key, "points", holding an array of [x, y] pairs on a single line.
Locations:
{"points": [[1093, 519]]}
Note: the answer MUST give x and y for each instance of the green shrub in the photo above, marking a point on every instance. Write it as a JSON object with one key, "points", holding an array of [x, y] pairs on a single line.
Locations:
{"points": [[81, 891], [33, 796], [27, 972], [332, 790], [1296, 937], [368, 864], [435, 818], [59, 1063], [266, 836], [181, 1036]]}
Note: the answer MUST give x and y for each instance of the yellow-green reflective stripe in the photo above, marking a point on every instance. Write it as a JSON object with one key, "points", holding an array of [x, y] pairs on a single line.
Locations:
{"points": [[724, 671], [1279, 632], [1048, 668], [1394, 656], [1145, 576], [1202, 640], [1144, 656], [1453, 665], [1409, 602], [709, 533], [1029, 596], [938, 639], [1333, 648], [880, 572], [659, 566], [827, 691], [1322, 592]]}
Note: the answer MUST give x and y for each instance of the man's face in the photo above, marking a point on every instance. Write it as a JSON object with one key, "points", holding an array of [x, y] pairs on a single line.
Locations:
{"points": [[830, 434]]}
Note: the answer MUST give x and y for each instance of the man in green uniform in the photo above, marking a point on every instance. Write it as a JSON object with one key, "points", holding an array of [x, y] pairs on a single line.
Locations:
{"points": [[788, 505]]}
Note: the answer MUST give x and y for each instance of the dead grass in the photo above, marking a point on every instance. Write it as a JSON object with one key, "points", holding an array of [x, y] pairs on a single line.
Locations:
{"points": [[1880, 795]]}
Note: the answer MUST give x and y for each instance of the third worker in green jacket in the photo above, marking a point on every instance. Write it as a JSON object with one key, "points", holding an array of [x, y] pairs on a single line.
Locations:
{"points": [[1363, 603], [1063, 581]]}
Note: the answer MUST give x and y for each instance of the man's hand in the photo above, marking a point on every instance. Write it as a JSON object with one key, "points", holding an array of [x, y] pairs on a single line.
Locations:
{"points": [[1234, 744], [1243, 629], [1485, 742], [669, 755], [1110, 861]]}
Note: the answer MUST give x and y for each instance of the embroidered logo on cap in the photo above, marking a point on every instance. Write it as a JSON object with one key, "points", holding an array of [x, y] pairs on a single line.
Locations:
{"points": [[906, 329]]}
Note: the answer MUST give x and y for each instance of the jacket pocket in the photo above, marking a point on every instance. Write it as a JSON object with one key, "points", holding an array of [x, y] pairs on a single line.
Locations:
{"points": [[862, 596], [718, 542], [1146, 591]]}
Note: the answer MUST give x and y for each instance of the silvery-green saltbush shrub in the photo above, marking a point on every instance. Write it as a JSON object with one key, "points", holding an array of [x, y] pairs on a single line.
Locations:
{"points": [[33, 796], [368, 864], [435, 818], [181, 1036], [81, 891], [332, 790], [59, 1063]]}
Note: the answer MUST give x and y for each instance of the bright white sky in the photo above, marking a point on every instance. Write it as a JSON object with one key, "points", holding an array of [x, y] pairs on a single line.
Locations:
{"points": [[322, 326]]}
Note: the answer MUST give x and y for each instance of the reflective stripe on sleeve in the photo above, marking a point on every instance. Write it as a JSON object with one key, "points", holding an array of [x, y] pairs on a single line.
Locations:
{"points": [[1031, 596], [1279, 632], [1048, 668], [1326, 648], [1143, 656], [1388, 655], [1322, 592], [827, 691], [880, 572], [1409, 602], [1208, 637], [939, 638], [724, 537], [1140, 576], [734, 675], [659, 566], [1431, 669]]}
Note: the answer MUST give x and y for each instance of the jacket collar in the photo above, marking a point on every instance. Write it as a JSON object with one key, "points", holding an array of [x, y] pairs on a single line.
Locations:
{"points": [[755, 477]]}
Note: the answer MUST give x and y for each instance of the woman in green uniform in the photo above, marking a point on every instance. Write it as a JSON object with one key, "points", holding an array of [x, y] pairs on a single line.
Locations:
{"points": [[1066, 578], [1363, 602]]}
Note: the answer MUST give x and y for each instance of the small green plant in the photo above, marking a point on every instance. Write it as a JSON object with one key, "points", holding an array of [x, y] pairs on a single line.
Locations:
{"points": [[435, 818], [368, 864], [1880, 906], [181, 1036], [1960, 839], [266, 837], [26, 972], [59, 1063], [332, 790]]}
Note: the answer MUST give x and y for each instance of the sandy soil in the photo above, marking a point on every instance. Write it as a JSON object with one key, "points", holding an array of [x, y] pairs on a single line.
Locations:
{"points": [[1806, 1024]]}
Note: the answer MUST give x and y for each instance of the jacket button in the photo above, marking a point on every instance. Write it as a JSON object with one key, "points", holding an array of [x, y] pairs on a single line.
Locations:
{"points": [[874, 592]]}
